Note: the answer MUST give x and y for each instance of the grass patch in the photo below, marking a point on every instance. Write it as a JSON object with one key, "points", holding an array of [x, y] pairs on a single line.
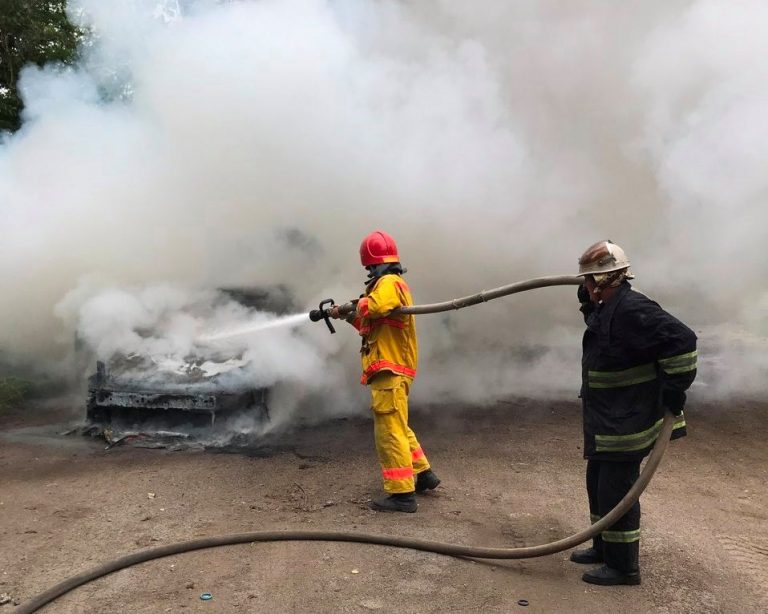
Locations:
{"points": [[13, 391]]}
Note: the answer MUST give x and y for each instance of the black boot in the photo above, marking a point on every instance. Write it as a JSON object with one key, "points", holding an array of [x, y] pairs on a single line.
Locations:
{"points": [[426, 480], [400, 502], [608, 576], [587, 556]]}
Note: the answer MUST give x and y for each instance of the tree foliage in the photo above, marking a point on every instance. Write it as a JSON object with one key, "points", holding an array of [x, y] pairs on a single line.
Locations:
{"points": [[31, 32]]}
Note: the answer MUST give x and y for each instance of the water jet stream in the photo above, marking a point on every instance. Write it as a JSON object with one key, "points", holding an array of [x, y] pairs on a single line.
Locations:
{"points": [[285, 321]]}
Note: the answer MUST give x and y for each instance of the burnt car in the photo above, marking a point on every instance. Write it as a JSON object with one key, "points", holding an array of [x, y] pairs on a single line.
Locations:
{"points": [[189, 395], [144, 397]]}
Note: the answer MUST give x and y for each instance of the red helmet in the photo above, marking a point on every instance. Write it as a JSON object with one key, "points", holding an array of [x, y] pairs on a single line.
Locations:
{"points": [[378, 248]]}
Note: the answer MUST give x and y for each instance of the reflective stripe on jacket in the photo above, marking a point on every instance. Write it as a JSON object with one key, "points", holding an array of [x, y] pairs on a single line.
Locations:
{"points": [[637, 362], [389, 340]]}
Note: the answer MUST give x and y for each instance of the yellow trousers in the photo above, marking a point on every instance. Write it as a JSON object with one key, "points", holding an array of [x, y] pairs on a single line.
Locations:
{"points": [[400, 454]]}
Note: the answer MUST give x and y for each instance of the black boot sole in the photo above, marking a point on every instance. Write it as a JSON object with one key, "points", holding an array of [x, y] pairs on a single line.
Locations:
{"points": [[382, 508], [426, 488], [625, 580]]}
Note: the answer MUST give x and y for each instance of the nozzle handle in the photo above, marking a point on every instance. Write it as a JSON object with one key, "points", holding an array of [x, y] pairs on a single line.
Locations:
{"points": [[322, 313]]}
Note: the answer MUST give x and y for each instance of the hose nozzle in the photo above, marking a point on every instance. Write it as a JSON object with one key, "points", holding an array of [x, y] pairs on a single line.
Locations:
{"points": [[323, 312]]}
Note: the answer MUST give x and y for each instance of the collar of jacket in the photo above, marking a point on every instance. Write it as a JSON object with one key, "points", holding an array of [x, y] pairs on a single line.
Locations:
{"points": [[600, 319], [372, 284]]}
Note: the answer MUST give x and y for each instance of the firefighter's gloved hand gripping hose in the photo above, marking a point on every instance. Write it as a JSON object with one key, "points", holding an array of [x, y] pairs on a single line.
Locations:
{"points": [[323, 313]]}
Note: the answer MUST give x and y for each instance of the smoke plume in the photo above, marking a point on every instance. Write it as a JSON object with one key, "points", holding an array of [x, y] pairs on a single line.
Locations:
{"points": [[200, 145]]}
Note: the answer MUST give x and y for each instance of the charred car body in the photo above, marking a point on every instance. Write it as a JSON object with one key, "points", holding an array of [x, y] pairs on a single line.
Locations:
{"points": [[134, 396], [167, 398]]}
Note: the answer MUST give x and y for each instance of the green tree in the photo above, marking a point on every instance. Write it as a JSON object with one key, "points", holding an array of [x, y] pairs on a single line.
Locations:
{"points": [[31, 32]]}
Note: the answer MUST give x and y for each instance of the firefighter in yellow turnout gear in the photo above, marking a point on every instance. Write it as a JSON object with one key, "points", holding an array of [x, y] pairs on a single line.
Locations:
{"points": [[389, 357]]}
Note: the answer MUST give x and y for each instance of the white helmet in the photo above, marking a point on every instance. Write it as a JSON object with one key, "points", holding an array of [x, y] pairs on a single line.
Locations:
{"points": [[602, 257]]}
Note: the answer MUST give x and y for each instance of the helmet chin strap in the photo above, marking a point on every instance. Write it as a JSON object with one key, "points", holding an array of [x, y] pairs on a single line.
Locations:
{"points": [[610, 280]]}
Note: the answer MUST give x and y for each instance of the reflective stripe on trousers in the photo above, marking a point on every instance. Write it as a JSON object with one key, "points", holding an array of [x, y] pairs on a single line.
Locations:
{"points": [[618, 537], [621, 537]]}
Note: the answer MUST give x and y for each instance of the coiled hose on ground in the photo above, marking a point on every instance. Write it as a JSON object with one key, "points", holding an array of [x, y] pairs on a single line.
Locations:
{"points": [[37, 602]]}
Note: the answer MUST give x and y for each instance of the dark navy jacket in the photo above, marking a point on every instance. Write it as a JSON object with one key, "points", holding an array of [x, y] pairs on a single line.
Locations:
{"points": [[637, 362]]}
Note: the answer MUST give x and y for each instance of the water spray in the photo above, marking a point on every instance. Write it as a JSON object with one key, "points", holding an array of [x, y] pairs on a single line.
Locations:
{"points": [[247, 329]]}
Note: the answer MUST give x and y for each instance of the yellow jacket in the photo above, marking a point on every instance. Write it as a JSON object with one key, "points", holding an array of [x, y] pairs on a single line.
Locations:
{"points": [[389, 340]]}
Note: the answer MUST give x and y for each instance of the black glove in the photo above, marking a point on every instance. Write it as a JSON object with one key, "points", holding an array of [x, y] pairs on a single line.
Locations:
{"points": [[583, 294], [587, 306], [673, 400]]}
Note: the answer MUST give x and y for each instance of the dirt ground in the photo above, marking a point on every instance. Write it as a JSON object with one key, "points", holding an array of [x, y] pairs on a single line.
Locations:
{"points": [[512, 475]]}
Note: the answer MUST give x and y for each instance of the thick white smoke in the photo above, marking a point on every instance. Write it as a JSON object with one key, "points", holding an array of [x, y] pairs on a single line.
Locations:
{"points": [[211, 144]]}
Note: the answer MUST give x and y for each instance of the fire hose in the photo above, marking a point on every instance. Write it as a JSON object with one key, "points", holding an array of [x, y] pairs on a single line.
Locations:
{"points": [[323, 312], [37, 602]]}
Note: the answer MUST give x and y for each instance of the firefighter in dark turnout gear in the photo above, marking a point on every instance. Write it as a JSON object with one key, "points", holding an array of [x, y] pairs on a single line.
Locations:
{"points": [[637, 363]]}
